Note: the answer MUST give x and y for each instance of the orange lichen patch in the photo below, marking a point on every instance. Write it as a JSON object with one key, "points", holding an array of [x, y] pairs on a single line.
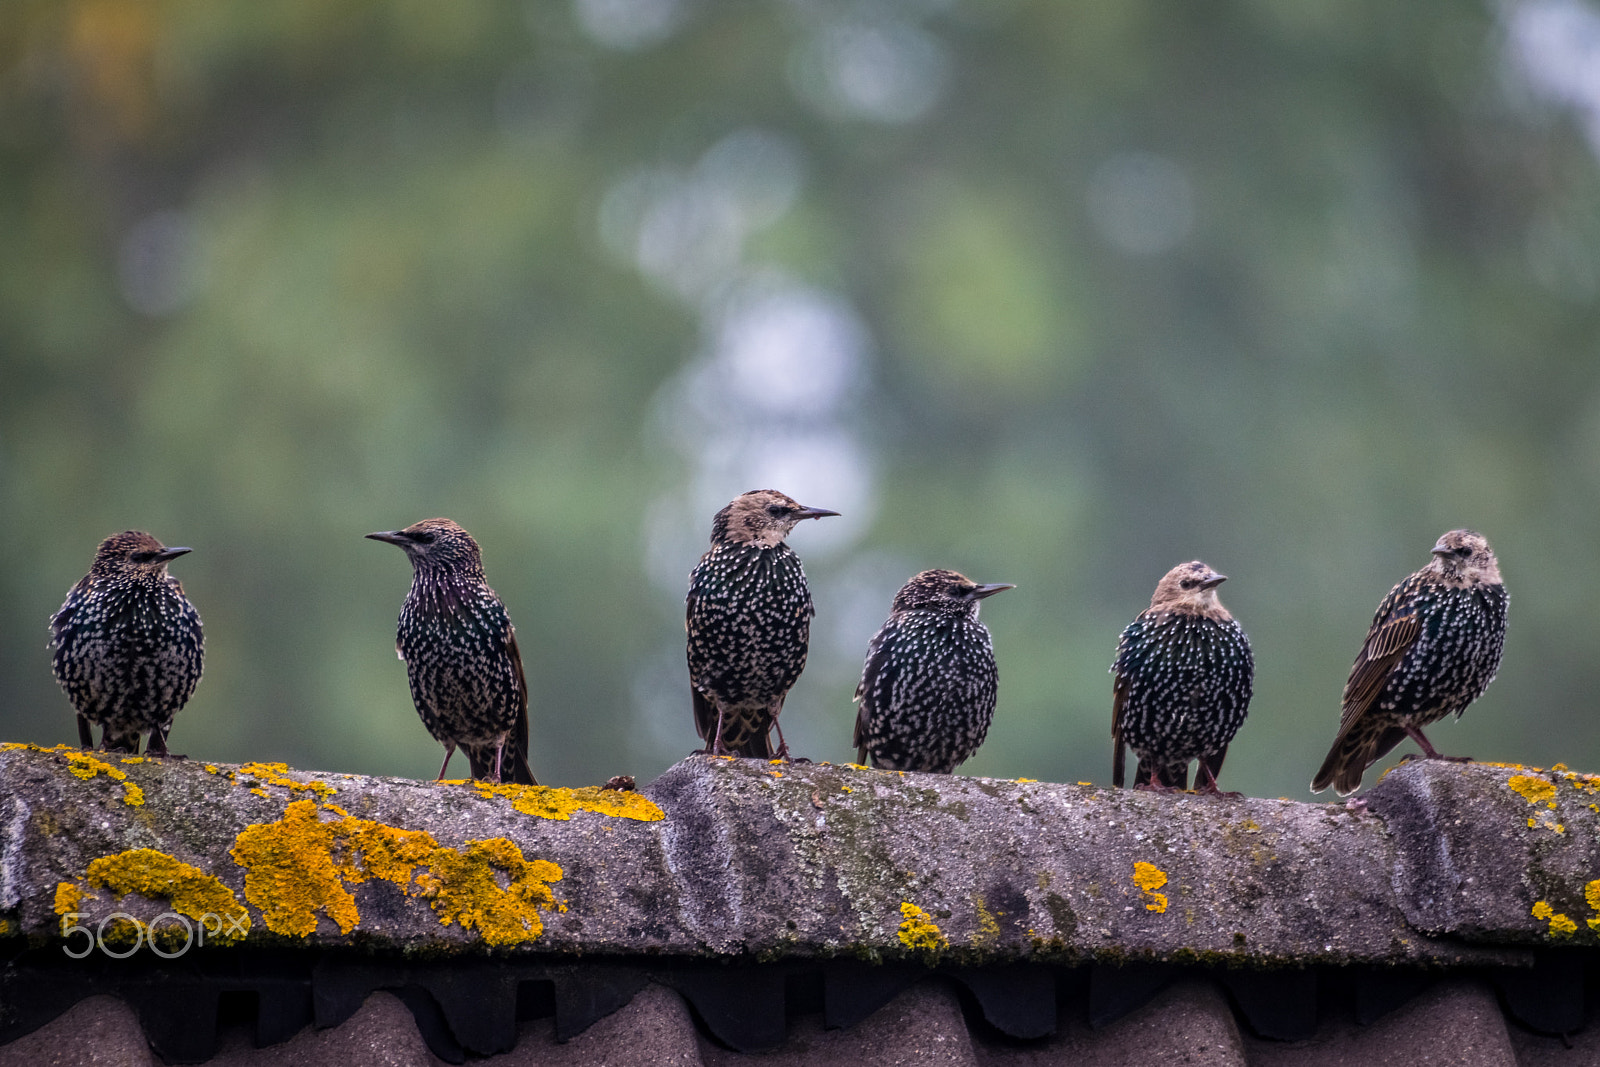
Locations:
{"points": [[463, 888], [278, 774], [297, 866], [918, 932], [548, 802], [1533, 790], [1560, 925], [1148, 877], [69, 898], [84, 766], [1584, 783], [158, 876]]}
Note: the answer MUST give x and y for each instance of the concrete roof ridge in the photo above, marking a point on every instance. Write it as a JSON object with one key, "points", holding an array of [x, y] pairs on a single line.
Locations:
{"points": [[1449, 865]]}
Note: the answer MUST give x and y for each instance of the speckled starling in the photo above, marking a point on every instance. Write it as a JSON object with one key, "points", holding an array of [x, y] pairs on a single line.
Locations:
{"points": [[1183, 676], [928, 688], [1433, 648], [128, 648], [461, 655], [749, 623]]}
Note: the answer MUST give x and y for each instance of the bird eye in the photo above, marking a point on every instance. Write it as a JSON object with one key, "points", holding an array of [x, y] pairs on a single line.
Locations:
{"points": [[423, 537], [1189, 583], [1464, 551], [777, 511], [142, 557]]}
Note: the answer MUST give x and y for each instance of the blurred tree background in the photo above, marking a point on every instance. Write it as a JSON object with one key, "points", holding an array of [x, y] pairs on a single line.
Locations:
{"points": [[1058, 294]]}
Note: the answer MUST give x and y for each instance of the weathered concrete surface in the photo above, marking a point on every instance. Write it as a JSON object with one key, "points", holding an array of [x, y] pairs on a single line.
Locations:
{"points": [[1481, 847], [738, 858]]}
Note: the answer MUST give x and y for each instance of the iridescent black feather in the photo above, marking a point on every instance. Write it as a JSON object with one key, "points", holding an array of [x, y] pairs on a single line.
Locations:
{"points": [[461, 654], [748, 622], [929, 685], [1183, 678], [1433, 648], [128, 645]]}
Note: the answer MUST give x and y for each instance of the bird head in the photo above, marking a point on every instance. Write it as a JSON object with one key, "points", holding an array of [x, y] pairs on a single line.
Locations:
{"points": [[944, 591], [435, 544], [134, 552], [1465, 556], [1189, 587], [763, 517]]}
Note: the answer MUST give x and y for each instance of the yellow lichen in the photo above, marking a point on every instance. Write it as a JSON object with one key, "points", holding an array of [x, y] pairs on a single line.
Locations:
{"points": [[918, 932], [1026, 779], [1533, 790], [301, 864], [297, 866], [548, 802], [1148, 877], [69, 898], [988, 926], [132, 759], [82, 765], [278, 774], [462, 887], [158, 876], [1560, 925]]}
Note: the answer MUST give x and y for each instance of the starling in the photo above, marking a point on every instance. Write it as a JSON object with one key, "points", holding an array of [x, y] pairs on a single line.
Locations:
{"points": [[928, 688], [460, 651], [128, 649], [1183, 677], [1433, 648], [749, 621]]}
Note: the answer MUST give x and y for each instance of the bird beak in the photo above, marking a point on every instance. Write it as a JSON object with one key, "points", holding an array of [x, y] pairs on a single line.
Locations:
{"points": [[172, 553], [1441, 550], [813, 513], [394, 537], [1213, 581], [990, 590]]}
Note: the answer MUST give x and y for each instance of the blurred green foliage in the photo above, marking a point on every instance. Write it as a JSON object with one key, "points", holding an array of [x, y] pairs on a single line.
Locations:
{"points": [[1058, 294]]}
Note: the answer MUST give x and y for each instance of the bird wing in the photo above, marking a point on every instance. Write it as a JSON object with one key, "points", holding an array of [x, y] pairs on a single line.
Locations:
{"points": [[1119, 700], [1119, 695], [1395, 629], [705, 717], [871, 671], [521, 772]]}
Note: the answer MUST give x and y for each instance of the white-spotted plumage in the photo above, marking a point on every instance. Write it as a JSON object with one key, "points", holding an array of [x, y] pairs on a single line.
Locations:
{"points": [[929, 685], [128, 646], [1184, 673]]}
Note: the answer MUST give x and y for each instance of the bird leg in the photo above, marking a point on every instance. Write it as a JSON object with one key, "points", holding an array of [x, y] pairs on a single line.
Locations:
{"points": [[1211, 788], [1428, 751], [1154, 784], [85, 737], [783, 746], [157, 746], [715, 747], [499, 754], [449, 750]]}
